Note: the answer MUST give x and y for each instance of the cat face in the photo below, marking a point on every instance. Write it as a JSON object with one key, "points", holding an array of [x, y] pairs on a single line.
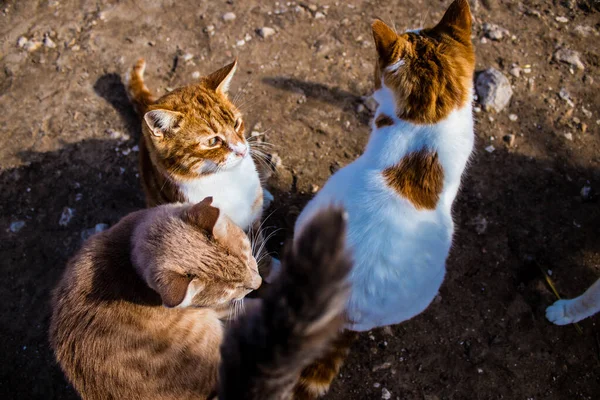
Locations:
{"points": [[429, 72], [194, 256], [195, 130]]}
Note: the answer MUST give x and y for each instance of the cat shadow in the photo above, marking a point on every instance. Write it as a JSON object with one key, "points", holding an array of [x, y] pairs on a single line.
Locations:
{"points": [[111, 88], [98, 183], [343, 99]]}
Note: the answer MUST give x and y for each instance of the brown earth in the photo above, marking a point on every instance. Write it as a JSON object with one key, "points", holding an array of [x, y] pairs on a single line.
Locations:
{"points": [[520, 210]]}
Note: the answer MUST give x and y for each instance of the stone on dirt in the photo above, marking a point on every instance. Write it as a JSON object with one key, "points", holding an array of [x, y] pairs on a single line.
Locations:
{"points": [[265, 32], [493, 89], [570, 57], [17, 226], [495, 32]]}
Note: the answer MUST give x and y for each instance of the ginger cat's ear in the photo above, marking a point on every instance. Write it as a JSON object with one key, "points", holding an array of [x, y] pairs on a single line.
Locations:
{"points": [[162, 122], [385, 40], [456, 22], [204, 216], [172, 287], [219, 80]]}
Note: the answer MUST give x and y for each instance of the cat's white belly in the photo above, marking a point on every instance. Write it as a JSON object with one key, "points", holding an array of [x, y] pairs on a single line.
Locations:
{"points": [[399, 254], [233, 191]]}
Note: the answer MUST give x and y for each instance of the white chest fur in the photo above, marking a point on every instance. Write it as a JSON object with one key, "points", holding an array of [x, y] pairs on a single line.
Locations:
{"points": [[234, 192]]}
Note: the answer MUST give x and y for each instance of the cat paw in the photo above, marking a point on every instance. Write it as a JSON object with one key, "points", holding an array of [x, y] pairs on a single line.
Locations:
{"points": [[557, 313], [267, 199], [275, 270]]}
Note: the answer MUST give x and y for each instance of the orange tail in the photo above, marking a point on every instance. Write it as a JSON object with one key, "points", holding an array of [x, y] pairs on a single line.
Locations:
{"points": [[138, 93], [317, 377]]}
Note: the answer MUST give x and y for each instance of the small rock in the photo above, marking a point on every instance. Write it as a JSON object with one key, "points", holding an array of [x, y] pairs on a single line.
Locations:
{"points": [[49, 43], [513, 117], [493, 89], [209, 29], [265, 32], [509, 139], [114, 134], [360, 108], [17, 226], [586, 112], [562, 20], [240, 43], [66, 216], [228, 16], [570, 57], [33, 45], [385, 394], [564, 94], [312, 7], [135, 148], [490, 148], [196, 75], [587, 79], [187, 57], [515, 71], [319, 15], [385, 365], [494, 32], [585, 31], [314, 188], [533, 13], [276, 161], [479, 371], [568, 136], [22, 41], [586, 192]]}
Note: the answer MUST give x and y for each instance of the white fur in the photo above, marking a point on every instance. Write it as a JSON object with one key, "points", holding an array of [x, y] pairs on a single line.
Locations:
{"points": [[399, 252], [564, 312], [233, 190], [192, 290]]}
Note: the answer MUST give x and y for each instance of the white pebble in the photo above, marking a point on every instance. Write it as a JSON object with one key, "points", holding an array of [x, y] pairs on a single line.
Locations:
{"points": [[513, 117], [490, 149], [319, 15], [229, 16], [385, 394], [66, 216], [17, 226], [196, 75]]}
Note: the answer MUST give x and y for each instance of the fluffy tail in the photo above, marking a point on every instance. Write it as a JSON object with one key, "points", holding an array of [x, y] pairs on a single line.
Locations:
{"points": [[138, 92], [301, 315]]}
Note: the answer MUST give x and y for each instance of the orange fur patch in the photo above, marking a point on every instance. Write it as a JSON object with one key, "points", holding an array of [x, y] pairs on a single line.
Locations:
{"points": [[430, 72], [418, 177], [317, 377], [383, 120]]}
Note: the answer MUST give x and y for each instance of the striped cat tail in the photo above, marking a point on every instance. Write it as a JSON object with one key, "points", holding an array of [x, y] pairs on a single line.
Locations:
{"points": [[302, 313], [138, 92]]}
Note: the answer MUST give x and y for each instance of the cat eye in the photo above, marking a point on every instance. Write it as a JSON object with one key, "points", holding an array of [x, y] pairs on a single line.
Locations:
{"points": [[238, 124], [214, 141]]}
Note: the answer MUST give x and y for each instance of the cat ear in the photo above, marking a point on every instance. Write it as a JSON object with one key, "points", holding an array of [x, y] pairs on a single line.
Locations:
{"points": [[456, 22], [219, 80], [162, 121], [203, 215], [172, 287], [385, 40]]}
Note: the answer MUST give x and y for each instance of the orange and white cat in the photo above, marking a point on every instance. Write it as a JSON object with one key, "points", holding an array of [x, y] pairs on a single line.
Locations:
{"points": [[564, 311], [399, 193], [193, 146]]}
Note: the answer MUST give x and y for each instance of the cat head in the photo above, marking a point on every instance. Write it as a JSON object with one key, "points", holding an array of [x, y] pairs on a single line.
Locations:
{"points": [[195, 130], [429, 72], [194, 256]]}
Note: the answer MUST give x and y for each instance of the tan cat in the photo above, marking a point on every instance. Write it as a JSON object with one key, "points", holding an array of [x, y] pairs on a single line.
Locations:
{"points": [[193, 146], [138, 311]]}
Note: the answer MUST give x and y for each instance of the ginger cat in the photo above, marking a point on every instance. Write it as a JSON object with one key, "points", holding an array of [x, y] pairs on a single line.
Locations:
{"points": [[564, 311], [193, 146], [138, 312], [399, 193]]}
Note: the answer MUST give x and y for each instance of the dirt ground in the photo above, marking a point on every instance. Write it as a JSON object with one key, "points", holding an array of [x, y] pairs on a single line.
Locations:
{"points": [[68, 139]]}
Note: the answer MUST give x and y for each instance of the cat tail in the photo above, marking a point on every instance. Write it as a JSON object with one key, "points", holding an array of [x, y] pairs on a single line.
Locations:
{"points": [[138, 92], [302, 313]]}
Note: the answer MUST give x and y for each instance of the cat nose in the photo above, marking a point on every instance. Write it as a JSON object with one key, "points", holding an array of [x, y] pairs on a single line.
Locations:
{"points": [[240, 149], [256, 281]]}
